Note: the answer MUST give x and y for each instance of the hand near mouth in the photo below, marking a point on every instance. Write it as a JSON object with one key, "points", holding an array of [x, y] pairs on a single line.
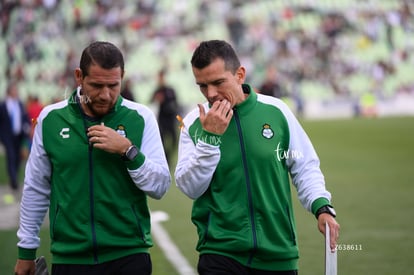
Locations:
{"points": [[217, 119]]}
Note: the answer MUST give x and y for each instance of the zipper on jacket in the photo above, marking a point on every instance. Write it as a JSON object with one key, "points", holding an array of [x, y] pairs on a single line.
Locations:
{"points": [[91, 187], [91, 206], [248, 185]]}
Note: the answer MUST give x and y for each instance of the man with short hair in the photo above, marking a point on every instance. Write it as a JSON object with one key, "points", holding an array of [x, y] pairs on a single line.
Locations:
{"points": [[235, 155], [94, 160]]}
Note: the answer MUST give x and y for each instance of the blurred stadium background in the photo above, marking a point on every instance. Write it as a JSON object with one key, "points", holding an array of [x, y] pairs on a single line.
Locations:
{"points": [[333, 58]]}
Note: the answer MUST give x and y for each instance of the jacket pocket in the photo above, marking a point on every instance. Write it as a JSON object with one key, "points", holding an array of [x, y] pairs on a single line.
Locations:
{"points": [[54, 221], [205, 234], [292, 229], [138, 224]]}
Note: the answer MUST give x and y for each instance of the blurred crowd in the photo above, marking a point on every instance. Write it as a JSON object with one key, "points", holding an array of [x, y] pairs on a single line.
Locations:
{"points": [[296, 50], [358, 52]]}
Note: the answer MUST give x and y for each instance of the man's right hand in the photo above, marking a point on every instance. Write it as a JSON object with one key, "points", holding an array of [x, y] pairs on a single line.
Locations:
{"points": [[218, 117], [25, 267]]}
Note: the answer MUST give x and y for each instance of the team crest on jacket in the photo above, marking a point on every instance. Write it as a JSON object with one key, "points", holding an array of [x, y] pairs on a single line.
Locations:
{"points": [[121, 130], [267, 132]]}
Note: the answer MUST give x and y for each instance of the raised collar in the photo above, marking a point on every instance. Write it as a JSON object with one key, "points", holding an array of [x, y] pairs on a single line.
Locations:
{"points": [[250, 101]]}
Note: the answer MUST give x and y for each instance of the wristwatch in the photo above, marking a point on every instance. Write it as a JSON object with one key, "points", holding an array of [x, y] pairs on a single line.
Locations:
{"points": [[326, 209], [130, 153]]}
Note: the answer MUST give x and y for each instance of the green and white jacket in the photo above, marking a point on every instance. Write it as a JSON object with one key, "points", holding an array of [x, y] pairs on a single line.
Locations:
{"points": [[240, 182], [97, 202]]}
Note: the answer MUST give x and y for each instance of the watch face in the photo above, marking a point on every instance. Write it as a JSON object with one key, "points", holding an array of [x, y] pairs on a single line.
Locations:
{"points": [[332, 210], [132, 152]]}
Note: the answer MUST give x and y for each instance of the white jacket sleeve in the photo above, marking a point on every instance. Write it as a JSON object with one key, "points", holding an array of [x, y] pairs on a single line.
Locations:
{"points": [[196, 165], [35, 199], [153, 176], [303, 164]]}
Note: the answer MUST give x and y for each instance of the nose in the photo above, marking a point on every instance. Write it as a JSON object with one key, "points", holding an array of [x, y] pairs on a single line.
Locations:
{"points": [[211, 92], [105, 93]]}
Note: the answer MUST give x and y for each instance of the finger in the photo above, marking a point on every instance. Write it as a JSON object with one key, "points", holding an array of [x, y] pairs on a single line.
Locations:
{"points": [[99, 127], [334, 234], [93, 133], [94, 140], [223, 107], [202, 111], [229, 115], [219, 105], [333, 239], [94, 127]]}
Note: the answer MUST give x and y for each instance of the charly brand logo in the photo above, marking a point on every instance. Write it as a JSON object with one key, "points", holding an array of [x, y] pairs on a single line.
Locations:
{"points": [[287, 154], [267, 132], [64, 133], [121, 130]]}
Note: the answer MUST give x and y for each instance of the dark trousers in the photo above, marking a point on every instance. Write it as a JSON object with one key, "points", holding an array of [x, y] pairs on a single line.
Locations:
{"points": [[13, 158], [168, 131], [137, 264], [211, 264]]}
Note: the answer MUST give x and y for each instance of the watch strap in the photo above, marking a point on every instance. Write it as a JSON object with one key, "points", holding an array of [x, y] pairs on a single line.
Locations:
{"points": [[325, 209]]}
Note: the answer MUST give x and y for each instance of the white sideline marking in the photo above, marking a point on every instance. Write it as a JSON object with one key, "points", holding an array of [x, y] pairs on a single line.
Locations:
{"points": [[170, 250]]}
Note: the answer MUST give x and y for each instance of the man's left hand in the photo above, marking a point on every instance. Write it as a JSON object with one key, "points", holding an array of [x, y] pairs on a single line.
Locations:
{"points": [[333, 226]]}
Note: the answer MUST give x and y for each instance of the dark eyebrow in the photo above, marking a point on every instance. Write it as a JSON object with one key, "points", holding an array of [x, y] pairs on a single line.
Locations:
{"points": [[104, 84], [214, 82]]}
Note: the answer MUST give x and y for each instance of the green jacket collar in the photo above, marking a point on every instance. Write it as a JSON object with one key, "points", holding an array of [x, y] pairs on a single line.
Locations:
{"points": [[248, 104]]}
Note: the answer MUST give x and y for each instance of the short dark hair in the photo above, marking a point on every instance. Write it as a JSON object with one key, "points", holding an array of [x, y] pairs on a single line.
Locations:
{"points": [[103, 54], [208, 51]]}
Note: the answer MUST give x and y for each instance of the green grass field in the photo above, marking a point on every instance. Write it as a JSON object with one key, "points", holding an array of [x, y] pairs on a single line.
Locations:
{"points": [[369, 170]]}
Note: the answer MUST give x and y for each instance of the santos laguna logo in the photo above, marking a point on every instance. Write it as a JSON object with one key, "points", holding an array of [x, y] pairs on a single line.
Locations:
{"points": [[287, 154]]}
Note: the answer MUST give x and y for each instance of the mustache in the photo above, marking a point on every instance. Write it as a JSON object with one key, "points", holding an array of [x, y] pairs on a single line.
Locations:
{"points": [[100, 101]]}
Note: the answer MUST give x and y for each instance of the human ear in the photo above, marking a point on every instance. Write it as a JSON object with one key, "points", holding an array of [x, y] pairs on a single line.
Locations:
{"points": [[241, 74], [78, 76]]}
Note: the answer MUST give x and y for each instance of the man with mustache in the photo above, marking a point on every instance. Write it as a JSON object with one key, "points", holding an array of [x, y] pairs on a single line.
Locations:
{"points": [[94, 160]]}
